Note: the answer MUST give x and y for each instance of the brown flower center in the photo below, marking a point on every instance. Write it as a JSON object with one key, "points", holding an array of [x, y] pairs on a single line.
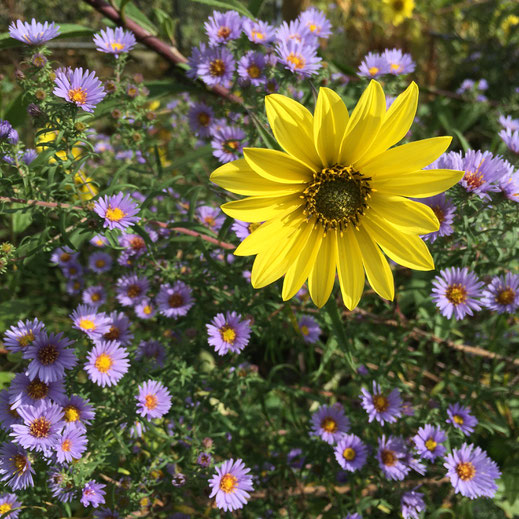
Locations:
{"points": [[388, 457], [456, 293], [506, 296], [328, 424], [112, 334], [217, 68], [134, 291], [40, 428], [37, 389], [380, 403], [48, 354], [175, 300], [466, 470]]}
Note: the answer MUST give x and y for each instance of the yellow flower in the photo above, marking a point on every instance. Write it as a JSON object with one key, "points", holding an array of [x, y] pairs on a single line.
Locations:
{"points": [[338, 195], [86, 187], [509, 22], [396, 11]]}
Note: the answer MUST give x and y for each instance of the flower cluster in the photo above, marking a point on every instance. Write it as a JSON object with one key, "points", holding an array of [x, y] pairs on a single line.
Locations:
{"points": [[391, 61]]}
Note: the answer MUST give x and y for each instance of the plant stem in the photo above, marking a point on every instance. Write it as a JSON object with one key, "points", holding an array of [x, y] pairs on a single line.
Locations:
{"points": [[340, 333]]}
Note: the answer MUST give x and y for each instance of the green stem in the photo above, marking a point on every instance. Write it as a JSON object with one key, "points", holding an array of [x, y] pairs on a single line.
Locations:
{"points": [[338, 328]]}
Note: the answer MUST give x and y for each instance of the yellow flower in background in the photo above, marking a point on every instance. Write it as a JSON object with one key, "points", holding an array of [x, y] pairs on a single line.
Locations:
{"points": [[85, 185], [44, 139], [396, 11], [338, 195], [508, 23]]}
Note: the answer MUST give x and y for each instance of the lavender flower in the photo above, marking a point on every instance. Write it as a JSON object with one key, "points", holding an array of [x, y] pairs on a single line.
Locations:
{"points": [[15, 467], [251, 68], [151, 350], [24, 391], [153, 400], [114, 41], [34, 33], [131, 289], [330, 423], [78, 412], [502, 295], [316, 22], [61, 485], [391, 456], [107, 363], [119, 329], [258, 31], [509, 185], [145, 309], [299, 58], [204, 459], [8, 415], [94, 296], [118, 211], [460, 418], [201, 117], [309, 329], [7, 132], [381, 407], [63, 255], [228, 333], [83, 89], [71, 444], [428, 441], [93, 494], [223, 27], [412, 504], [511, 139], [9, 506], [100, 262], [211, 217], [373, 65], [88, 320], [444, 210], [508, 123], [297, 32], [174, 301], [231, 485], [216, 67], [22, 335], [228, 143], [399, 63], [351, 452]]}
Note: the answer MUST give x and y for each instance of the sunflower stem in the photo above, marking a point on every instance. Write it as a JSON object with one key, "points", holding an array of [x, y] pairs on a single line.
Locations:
{"points": [[340, 333]]}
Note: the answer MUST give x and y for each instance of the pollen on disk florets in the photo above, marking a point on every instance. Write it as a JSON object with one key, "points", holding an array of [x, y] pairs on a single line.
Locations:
{"points": [[337, 197]]}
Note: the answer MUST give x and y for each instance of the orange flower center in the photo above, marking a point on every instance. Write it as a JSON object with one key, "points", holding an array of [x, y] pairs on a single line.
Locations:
{"points": [[151, 402], [77, 95], [217, 67], [48, 354], [103, 362], [380, 402], [257, 35], [65, 257], [473, 179], [373, 70], [228, 483], [137, 243], [388, 457], [297, 60], [456, 293], [19, 462], [396, 67], [114, 214], [466, 470], [329, 425], [66, 445], [254, 71], [224, 32], [230, 146], [40, 427]]}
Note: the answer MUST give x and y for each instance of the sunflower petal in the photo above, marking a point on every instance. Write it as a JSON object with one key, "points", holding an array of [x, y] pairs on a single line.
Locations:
{"points": [[322, 275], [419, 184], [406, 215], [292, 125], [330, 121], [406, 249], [363, 124], [258, 208], [300, 269], [349, 267], [277, 166], [375, 264]]}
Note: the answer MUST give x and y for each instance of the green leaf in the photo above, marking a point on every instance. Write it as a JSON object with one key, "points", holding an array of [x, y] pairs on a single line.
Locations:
{"points": [[16, 112], [163, 87], [229, 4], [133, 12], [255, 7], [464, 143], [21, 219]]}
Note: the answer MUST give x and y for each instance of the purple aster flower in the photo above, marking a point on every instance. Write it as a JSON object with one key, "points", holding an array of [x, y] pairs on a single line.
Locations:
{"points": [[15, 466], [78, 412], [94, 296], [309, 328], [258, 31], [99, 241], [201, 118], [228, 143], [174, 301], [428, 441], [119, 329], [40, 428], [61, 484], [391, 455], [508, 123], [83, 89], [34, 33], [297, 32], [93, 494], [466, 85], [511, 139], [8, 415], [106, 513], [196, 58], [114, 41], [134, 243], [24, 391], [472, 472], [444, 210], [216, 66], [351, 452], [9, 506], [63, 255], [50, 357], [455, 292], [151, 350], [72, 270], [7, 132], [153, 400], [330, 423], [353, 516], [22, 335], [223, 27], [502, 295], [178, 480], [299, 58], [131, 289], [211, 217], [509, 185], [412, 504], [204, 459], [29, 156], [460, 418], [228, 333], [231, 485], [251, 68], [107, 363], [373, 65], [244, 229], [71, 444], [399, 63], [317, 22], [88, 320], [145, 309], [381, 407], [119, 211]]}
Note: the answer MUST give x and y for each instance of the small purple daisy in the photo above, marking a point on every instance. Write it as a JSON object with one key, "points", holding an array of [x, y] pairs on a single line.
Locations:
{"points": [[174, 301], [412, 504], [114, 41], [94, 296], [145, 309], [24, 391], [34, 33], [444, 210], [351, 452], [223, 27], [399, 63], [428, 441], [508, 123], [99, 240], [119, 329], [297, 32], [502, 295], [15, 466], [134, 244], [153, 400], [9, 506], [228, 333], [258, 31], [71, 444], [61, 485], [151, 350], [309, 329], [330, 423], [316, 22], [231, 485], [299, 58], [78, 412], [381, 407], [201, 118], [83, 89], [353, 516], [107, 363], [211, 217], [131, 289], [251, 68], [88, 320], [472, 472], [373, 65], [460, 418], [391, 456], [509, 185], [204, 459], [511, 139], [456, 291], [19, 337], [119, 211], [216, 66], [228, 143], [93, 494], [73, 270], [63, 255]]}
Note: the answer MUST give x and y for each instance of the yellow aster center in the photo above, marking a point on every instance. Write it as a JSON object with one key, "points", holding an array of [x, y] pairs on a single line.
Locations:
{"points": [[388, 457], [305, 330], [224, 32], [228, 334], [465, 470], [228, 483], [313, 27], [458, 419], [395, 67], [103, 362], [456, 293], [505, 297], [217, 68], [96, 296], [430, 444], [37, 389], [48, 354], [147, 309], [40, 428], [349, 454], [4, 508], [257, 35], [20, 463], [77, 95], [297, 60], [209, 220], [254, 71], [116, 46], [71, 413], [87, 324], [66, 445], [26, 339], [151, 402], [373, 70], [380, 403], [252, 227], [114, 214], [231, 146], [329, 425]]}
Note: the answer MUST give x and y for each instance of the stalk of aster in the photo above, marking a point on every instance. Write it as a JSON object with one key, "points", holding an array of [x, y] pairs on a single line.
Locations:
{"points": [[339, 196]]}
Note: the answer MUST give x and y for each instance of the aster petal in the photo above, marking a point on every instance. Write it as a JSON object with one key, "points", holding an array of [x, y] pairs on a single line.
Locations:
{"points": [[406, 249], [418, 184], [407, 216], [330, 121], [292, 125], [396, 123], [238, 177], [349, 267], [277, 166], [404, 159], [375, 264], [300, 268], [322, 275], [364, 124], [258, 209]]}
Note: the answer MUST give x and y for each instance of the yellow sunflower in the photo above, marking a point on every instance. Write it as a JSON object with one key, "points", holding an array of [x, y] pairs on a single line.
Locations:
{"points": [[338, 195], [396, 11]]}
